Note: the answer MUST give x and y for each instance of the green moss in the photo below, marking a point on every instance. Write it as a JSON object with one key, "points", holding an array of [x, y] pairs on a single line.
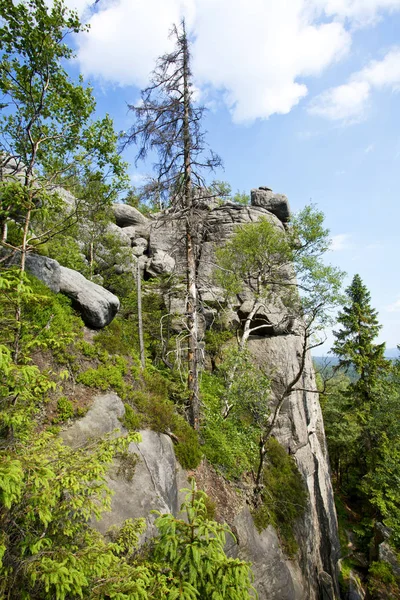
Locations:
{"points": [[127, 465], [283, 495]]}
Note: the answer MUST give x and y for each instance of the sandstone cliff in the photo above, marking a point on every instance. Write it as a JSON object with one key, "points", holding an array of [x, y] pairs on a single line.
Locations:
{"points": [[157, 243]]}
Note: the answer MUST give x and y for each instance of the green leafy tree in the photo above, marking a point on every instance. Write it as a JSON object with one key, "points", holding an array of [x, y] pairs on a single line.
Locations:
{"points": [[286, 276], [46, 131]]}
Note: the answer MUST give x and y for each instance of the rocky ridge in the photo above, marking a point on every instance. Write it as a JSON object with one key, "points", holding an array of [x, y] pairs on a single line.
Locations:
{"points": [[157, 247]]}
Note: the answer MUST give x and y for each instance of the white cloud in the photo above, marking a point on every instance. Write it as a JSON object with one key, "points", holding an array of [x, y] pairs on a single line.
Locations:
{"points": [[395, 307], [359, 12], [340, 242], [349, 102], [139, 179], [369, 148], [254, 54], [125, 39]]}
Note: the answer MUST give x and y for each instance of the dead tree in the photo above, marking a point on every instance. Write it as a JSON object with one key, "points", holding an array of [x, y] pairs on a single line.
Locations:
{"points": [[168, 122]]}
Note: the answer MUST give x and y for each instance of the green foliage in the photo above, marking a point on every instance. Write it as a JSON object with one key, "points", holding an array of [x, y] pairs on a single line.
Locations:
{"points": [[256, 255], [215, 338], [354, 341], [235, 399], [65, 410], [107, 376], [362, 417], [241, 198], [46, 124], [382, 583], [46, 484], [262, 258], [117, 337], [229, 444], [283, 496], [188, 450], [192, 552], [159, 413], [131, 420], [66, 251]]}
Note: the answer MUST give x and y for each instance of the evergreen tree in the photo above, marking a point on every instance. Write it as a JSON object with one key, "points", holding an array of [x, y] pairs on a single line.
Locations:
{"points": [[354, 341]]}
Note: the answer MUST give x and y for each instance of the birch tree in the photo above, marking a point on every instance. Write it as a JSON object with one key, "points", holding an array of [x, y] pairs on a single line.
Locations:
{"points": [[168, 122], [286, 275]]}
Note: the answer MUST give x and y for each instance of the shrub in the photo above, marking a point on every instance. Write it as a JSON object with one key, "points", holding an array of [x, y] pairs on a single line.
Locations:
{"points": [[131, 420], [108, 376], [229, 444], [382, 582], [65, 410]]}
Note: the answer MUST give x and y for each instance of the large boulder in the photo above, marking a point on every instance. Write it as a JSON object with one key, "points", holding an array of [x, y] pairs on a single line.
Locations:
{"points": [[155, 477], [43, 268], [103, 417], [119, 234], [97, 306], [160, 263], [277, 204], [126, 215], [46, 269]]}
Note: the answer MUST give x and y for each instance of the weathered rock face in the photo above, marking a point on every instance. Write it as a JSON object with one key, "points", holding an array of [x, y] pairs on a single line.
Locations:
{"points": [[159, 244], [97, 305], [156, 479], [299, 428], [155, 484], [277, 204], [44, 268]]}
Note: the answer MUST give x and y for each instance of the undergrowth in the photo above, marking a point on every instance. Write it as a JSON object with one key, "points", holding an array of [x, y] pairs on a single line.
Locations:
{"points": [[283, 496], [230, 444]]}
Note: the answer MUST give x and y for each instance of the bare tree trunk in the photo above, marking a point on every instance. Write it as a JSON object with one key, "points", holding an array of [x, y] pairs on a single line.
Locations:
{"points": [[192, 316], [140, 319]]}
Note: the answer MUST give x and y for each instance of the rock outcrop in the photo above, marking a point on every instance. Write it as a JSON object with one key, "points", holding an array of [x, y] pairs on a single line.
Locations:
{"points": [[159, 244], [97, 305], [277, 204]]}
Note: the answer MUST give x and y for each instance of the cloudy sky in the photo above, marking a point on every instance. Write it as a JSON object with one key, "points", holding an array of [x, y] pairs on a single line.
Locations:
{"points": [[303, 97]]}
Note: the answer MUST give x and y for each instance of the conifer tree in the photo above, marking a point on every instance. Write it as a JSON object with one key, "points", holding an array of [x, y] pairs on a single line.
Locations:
{"points": [[168, 122], [354, 345]]}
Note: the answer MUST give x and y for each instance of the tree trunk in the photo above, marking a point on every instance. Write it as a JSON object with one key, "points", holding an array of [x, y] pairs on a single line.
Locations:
{"points": [[140, 319], [192, 317]]}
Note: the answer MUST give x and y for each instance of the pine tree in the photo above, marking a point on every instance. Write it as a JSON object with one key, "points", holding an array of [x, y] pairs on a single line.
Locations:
{"points": [[354, 345]]}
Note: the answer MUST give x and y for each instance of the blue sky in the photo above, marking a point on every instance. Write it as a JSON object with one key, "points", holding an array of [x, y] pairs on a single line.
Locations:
{"points": [[303, 97]]}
